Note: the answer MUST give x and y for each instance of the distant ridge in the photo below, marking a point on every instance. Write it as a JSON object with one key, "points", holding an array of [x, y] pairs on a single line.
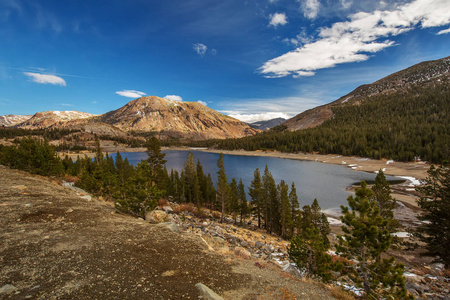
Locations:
{"points": [[12, 120], [265, 125], [49, 119]]}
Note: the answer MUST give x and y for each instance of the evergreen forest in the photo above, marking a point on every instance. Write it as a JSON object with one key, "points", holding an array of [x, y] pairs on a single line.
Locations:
{"points": [[405, 126]]}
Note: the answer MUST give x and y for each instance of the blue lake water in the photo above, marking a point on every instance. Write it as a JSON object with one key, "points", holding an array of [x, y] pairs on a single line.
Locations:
{"points": [[326, 182]]}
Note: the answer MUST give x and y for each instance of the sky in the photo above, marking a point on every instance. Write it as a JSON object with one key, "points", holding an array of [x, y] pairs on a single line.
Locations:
{"points": [[250, 59]]}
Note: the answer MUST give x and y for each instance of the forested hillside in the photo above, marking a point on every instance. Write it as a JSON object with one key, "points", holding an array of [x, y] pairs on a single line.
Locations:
{"points": [[405, 126]]}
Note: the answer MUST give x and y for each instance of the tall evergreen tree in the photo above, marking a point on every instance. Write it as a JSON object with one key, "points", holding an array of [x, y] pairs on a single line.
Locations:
{"points": [[382, 196], [233, 200], [435, 202], [222, 186], [256, 195], [243, 204], [285, 209], [295, 209], [365, 238]]}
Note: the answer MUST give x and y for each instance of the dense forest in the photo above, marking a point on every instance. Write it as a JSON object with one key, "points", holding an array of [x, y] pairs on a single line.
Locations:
{"points": [[404, 126]]}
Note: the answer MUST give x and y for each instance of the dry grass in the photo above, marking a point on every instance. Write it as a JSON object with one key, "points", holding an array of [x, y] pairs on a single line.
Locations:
{"points": [[69, 178], [339, 293], [163, 202]]}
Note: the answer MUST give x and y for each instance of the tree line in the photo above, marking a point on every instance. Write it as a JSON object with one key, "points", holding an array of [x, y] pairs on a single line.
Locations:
{"points": [[403, 126]]}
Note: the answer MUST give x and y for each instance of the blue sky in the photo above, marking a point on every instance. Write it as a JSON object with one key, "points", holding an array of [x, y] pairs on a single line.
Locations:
{"points": [[246, 58]]}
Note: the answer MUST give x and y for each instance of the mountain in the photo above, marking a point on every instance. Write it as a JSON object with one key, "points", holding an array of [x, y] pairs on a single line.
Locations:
{"points": [[11, 120], [174, 119], [425, 74], [404, 116], [48, 119], [265, 125]]}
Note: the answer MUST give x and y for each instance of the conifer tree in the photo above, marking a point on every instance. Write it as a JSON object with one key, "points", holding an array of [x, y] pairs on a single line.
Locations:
{"points": [[365, 238], [295, 209], [382, 196], [233, 199], [285, 209], [222, 186], [270, 205], [201, 177], [256, 195], [309, 252], [190, 177], [435, 202], [243, 204]]}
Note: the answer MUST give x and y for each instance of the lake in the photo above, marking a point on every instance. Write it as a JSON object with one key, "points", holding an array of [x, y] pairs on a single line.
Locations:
{"points": [[325, 182]]}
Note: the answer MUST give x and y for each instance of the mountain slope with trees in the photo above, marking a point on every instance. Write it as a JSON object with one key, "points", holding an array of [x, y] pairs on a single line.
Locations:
{"points": [[404, 124]]}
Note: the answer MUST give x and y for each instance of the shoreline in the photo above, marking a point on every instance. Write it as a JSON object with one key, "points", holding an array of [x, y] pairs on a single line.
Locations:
{"points": [[410, 171]]}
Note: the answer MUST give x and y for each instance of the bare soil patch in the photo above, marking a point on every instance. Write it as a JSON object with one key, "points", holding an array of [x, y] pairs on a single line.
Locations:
{"points": [[56, 245]]}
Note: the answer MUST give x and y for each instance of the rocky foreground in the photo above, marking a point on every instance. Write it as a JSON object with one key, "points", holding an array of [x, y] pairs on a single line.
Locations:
{"points": [[56, 243]]}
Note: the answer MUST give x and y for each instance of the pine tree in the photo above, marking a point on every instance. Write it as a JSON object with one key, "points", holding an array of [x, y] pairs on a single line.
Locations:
{"points": [[270, 205], [233, 200], [190, 176], [435, 202], [243, 204], [365, 238], [256, 194], [222, 186], [285, 209], [295, 209], [382, 196], [309, 252]]}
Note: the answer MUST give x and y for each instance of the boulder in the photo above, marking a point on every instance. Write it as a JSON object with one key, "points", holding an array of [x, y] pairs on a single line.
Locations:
{"points": [[7, 289], [242, 252], [156, 216], [171, 226], [206, 293], [167, 209]]}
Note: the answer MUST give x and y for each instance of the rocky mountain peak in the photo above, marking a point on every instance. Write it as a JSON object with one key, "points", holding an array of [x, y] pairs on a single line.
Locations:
{"points": [[176, 119]]}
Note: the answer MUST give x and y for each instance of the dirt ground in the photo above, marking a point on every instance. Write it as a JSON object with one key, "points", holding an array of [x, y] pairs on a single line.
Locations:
{"points": [[54, 244]]}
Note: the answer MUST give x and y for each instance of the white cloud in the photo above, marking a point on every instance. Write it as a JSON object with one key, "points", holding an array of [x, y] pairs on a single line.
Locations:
{"points": [[445, 31], [173, 97], [200, 49], [354, 40], [130, 93], [202, 102], [278, 19], [45, 78], [310, 8], [273, 1]]}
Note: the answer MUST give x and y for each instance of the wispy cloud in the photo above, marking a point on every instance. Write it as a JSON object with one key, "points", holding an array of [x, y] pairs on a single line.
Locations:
{"points": [[200, 48], [131, 93], [354, 40], [278, 19], [45, 78], [202, 102], [445, 31], [173, 97], [310, 8]]}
